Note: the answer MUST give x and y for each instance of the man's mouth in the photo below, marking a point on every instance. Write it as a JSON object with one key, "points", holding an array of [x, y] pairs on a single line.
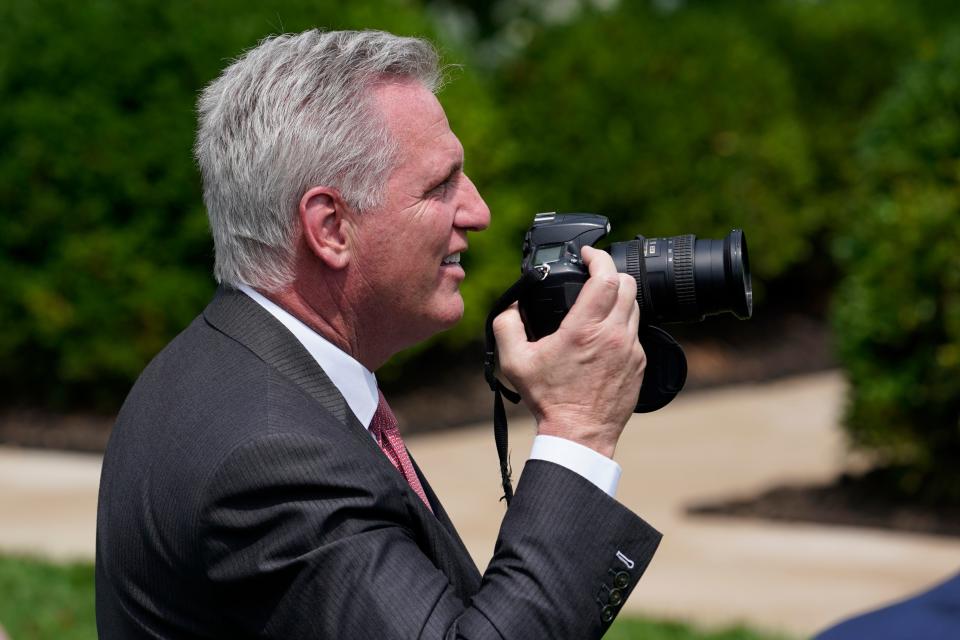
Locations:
{"points": [[453, 258]]}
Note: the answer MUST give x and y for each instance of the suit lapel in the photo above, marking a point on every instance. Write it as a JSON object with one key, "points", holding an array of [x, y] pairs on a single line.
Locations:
{"points": [[235, 314], [438, 509], [447, 547]]}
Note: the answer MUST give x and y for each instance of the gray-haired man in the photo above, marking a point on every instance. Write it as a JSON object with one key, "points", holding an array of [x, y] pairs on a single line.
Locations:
{"points": [[255, 484]]}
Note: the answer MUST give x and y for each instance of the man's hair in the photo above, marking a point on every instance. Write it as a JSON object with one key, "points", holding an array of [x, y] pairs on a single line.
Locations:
{"points": [[294, 112]]}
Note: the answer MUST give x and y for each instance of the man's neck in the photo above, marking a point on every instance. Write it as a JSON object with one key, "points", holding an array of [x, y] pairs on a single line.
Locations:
{"points": [[330, 321]]}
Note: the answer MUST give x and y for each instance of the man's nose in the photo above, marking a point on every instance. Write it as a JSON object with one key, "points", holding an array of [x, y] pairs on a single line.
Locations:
{"points": [[472, 213]]}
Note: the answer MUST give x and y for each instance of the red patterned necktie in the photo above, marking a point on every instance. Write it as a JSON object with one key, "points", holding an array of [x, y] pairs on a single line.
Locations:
{"points": [[384, 428]]}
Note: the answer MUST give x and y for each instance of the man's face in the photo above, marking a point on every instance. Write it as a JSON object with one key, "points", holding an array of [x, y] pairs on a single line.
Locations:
{"points": [[405, 258]]}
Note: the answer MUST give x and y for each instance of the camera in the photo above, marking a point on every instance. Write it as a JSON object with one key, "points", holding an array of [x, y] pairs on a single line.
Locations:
{"points": [[679, 279]]}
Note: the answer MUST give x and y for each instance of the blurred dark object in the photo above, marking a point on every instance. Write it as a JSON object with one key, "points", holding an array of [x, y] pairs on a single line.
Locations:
{"points": [[48, 430], [932, 615]]}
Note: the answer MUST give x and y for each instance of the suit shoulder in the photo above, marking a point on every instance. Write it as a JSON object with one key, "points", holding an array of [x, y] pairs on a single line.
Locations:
{"points": [[207, 388]]}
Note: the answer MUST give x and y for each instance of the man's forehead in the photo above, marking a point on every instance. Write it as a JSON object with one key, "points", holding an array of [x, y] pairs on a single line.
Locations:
{"points": [[413, 114]]}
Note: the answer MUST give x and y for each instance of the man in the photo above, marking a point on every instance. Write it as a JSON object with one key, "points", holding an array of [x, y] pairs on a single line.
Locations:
{"points": [[931, 615], [255, 484]]}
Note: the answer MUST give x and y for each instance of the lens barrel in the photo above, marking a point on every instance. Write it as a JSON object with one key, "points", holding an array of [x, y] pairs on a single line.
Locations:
{"points": [[683, 279]]}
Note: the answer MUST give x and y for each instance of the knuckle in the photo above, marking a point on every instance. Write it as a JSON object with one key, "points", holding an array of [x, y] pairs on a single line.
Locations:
{"points": [[613, 343], [619, 343], [586, 335], [512, 366], [641, 358], [625, 338], [611, 280]]}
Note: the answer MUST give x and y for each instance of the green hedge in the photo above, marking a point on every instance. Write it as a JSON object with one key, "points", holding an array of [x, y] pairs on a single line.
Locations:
{"points": [[897, 310], [704, 115], [104, 248], [668, 117], [667, 123]]}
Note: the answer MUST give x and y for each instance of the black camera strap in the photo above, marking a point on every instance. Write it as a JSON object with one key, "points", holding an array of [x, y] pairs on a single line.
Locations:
{"points": [[500, 432]]}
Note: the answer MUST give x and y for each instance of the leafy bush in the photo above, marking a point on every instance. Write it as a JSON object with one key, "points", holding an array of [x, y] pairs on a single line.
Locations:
{"points": [[666, 122], [842, 56], [693, 116], [104, 248], [897, 310], [669, 117]]}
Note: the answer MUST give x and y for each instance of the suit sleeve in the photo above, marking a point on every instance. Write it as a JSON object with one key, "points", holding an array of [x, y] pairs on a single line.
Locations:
{"points": [[299, 540]]}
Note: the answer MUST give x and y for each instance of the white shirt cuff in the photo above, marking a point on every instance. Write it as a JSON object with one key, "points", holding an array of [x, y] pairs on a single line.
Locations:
{"points": [[600, 470]]}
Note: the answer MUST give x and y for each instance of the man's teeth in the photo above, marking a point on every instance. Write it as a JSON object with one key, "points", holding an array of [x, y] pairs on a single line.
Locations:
{"points": [[452, 259]]}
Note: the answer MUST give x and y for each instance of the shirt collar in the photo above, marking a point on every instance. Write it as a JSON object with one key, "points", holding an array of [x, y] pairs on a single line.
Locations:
{"points": [[356, 383]]}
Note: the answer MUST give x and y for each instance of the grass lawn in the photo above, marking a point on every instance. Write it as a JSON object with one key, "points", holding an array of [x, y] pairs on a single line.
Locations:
{"points": [[642, 629], [44, 601]]}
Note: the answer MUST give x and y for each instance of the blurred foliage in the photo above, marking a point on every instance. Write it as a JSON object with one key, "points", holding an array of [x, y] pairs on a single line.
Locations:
{"points": [[668, 116], [104, 248], [633, 114], [679, 117], [897, 310]]}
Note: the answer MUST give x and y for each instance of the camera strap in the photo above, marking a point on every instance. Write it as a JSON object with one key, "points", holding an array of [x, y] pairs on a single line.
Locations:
{"points": [[500, 432]]}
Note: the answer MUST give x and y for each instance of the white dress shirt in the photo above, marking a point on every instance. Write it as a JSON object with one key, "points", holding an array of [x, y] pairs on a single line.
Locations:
{"points": [[358, 386]]}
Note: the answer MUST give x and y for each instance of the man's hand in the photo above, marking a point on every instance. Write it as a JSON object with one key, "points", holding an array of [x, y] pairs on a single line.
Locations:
{"points": [[581, 382]]}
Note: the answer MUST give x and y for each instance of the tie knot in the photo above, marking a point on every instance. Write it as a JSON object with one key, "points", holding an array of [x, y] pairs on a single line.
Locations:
{"points": [[384, 422]]}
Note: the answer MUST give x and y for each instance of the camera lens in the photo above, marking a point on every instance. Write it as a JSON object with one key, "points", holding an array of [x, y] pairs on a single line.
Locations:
{"points": [[683, 279]]}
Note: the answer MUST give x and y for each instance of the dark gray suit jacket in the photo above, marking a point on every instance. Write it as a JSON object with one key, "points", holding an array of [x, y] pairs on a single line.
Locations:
{"points": [[240, 498]]}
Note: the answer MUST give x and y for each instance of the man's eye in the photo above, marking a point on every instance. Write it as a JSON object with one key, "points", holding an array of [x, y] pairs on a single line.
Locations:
{"points": [[441, 188]]}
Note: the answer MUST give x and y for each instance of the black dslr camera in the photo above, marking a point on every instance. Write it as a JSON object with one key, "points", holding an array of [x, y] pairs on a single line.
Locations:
{"points": [[679, 279]]}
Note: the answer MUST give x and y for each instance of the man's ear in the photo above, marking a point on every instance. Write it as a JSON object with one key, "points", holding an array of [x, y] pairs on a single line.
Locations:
{"points": [[323, 219]]}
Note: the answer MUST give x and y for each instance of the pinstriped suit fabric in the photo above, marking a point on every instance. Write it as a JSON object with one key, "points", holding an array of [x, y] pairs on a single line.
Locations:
{"points": [[240, 498]]}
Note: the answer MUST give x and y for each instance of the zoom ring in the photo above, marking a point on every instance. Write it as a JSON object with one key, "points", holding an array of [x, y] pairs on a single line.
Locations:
{"points": [[633, 269], [683, 271]]}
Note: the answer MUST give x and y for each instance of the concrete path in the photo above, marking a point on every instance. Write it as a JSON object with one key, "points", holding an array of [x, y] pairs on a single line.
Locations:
{"points": [[709, 444], [48, 502]]}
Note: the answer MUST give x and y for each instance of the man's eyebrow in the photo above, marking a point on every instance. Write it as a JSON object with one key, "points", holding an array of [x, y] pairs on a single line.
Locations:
{"points": [[455, 168]]}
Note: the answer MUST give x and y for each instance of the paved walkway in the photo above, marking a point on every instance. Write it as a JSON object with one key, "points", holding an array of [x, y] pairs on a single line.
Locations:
{"points": [[712, 571]]}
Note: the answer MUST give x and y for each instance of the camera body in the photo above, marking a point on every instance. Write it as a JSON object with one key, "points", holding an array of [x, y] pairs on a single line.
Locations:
{"points": [[679, 279], [551, 257]]}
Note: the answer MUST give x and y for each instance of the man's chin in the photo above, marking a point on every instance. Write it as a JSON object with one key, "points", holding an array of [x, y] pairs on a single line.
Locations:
{"points": [[451, 314]]}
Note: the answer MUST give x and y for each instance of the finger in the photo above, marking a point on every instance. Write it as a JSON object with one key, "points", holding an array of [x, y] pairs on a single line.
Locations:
{"points": [[597, 261], [633, 322], [599, 294], [509, 331], [626, 300]]}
